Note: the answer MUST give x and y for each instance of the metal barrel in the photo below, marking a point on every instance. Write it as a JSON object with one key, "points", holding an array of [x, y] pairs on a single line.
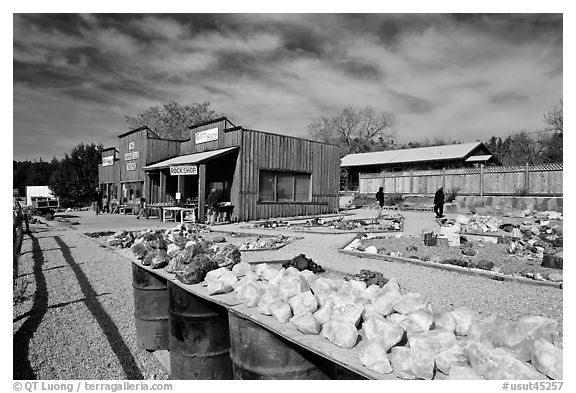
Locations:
{"points": [[257, 353], [150, 309], [199, 340]]}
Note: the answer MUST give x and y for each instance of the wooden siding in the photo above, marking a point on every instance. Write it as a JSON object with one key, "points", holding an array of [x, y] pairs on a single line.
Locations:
{"points": [[537, 180], [225, 139], [267, 151], [109, 174], [140, 145], [161, 149]]}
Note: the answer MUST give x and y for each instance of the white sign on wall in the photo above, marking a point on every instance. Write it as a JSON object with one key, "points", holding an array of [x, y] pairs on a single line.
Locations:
{"points": [[207, 136], [108, 161], [131, 145], [131, 156], [183, 170], [131, 166]]}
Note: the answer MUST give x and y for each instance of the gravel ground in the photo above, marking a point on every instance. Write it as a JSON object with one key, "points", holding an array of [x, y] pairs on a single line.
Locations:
{"points": [[80, 304], [77, 320]]}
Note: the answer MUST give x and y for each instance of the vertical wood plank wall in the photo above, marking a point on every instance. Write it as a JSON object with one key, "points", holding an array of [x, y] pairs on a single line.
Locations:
{"points": [[543, 180], [262, 150]]}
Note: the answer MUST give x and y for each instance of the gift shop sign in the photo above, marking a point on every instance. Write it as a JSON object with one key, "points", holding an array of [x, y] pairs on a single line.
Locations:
{"points": [[183, 170], [207, 136]]}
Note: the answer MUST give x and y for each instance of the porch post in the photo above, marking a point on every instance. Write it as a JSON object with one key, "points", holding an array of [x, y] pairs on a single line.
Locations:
{"points": [[162, 187], [201, 191]]}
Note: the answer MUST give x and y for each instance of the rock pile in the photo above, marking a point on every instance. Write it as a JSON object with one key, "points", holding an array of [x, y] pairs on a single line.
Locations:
{"points": [[400, 332], [184, 252], [265, 244], [301, 263]]}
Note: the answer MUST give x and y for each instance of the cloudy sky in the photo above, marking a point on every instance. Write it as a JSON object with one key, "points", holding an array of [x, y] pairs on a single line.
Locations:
{"points": [[463, 77]]}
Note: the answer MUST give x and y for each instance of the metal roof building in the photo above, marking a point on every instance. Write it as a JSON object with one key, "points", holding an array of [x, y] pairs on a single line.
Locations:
{"points": [[447, 155]]}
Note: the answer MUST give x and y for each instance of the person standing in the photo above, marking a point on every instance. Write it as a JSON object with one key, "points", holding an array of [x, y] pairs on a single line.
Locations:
{"points": [[98, 200], [212, 203], [439, 203], [380, 197], [105, 204], [142, 211]]}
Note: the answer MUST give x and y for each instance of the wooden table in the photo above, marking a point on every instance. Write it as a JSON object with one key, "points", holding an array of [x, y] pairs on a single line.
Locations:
{"points": [[346, 358], [170, 213], [188, 214]]}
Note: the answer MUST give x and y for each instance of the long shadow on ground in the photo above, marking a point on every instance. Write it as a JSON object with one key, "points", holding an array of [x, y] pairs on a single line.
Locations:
{"points": [[22, 367], [108, 327]]}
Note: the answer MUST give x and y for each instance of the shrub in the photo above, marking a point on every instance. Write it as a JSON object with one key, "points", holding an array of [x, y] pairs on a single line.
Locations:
{"points": [[452, 194]]}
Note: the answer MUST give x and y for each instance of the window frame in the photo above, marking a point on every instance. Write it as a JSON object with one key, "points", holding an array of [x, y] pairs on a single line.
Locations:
{"points": [[293, 174]]}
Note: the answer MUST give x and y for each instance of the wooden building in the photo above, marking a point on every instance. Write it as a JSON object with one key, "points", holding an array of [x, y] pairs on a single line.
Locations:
{"points": [[256, 174], [464, 155]]}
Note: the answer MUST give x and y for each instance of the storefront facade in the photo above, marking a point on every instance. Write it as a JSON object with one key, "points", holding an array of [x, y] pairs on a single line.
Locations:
{"points": [[257, 175]]}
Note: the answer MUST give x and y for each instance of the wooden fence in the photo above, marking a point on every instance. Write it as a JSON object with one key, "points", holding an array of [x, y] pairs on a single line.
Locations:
{"points": [[528, 180]]}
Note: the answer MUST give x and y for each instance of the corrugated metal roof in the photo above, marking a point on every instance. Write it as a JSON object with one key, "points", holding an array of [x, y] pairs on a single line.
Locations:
{"points": [[479, 158], [187, 159], [432, 153]]}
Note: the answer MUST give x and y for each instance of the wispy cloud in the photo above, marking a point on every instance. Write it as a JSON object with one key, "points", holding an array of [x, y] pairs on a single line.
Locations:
{"points": [[461, 76]]}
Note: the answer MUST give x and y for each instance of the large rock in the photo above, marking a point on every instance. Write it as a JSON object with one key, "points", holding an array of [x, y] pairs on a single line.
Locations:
{"points": [[410, 363], [391, 287], [172, 250], [373, 356], [319, 285], [463, 372], [350, 312], [419, 321], [343, 334], [453, 356], [266, 302], [249, 294], [409, 303], [384, 304], [488, 330], [464, 317], [521, 335], [228, 256], [322, 315], [499, 363], [196, 271], [379, 329], [444, 320], [140, 249], [241, 269], [435, 341], [306, 323], [291, 286], [371, 293], [547, 359], [281, 311], [220, 281], [303, 302]]}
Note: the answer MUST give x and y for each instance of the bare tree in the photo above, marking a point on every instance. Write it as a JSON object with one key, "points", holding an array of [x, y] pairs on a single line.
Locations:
{"points": [[355, 131], [554, 119]]}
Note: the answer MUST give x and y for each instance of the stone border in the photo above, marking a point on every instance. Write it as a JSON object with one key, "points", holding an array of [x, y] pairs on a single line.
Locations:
{"points": [[456, 269]]}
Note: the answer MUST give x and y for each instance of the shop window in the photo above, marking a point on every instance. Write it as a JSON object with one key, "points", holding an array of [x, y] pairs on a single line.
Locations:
{"points": [[275, 186]]}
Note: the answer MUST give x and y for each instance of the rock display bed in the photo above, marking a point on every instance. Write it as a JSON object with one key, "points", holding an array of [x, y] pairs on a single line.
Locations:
{"points": [[266, 243], [473, 254], [394, 332], [382, 223]]}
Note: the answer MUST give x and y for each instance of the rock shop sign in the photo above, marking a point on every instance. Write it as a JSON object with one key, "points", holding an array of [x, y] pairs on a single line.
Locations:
{"points": [[183, 170], [131, 166]]}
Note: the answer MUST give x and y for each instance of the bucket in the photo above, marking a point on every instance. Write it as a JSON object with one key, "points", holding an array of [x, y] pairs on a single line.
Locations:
{"points": [[199, 340], [257, 353], [429, 238], [150, 309]]}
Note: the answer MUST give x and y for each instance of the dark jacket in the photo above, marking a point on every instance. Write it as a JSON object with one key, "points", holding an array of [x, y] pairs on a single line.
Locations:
{"points": [[439, 197], [212, 200], [98, 196], [380, 196]]}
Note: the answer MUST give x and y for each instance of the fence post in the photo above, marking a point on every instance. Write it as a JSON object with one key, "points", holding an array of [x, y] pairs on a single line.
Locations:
{"points": [[411, 179], [527, 179], [443, 177], [481, 180]]}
